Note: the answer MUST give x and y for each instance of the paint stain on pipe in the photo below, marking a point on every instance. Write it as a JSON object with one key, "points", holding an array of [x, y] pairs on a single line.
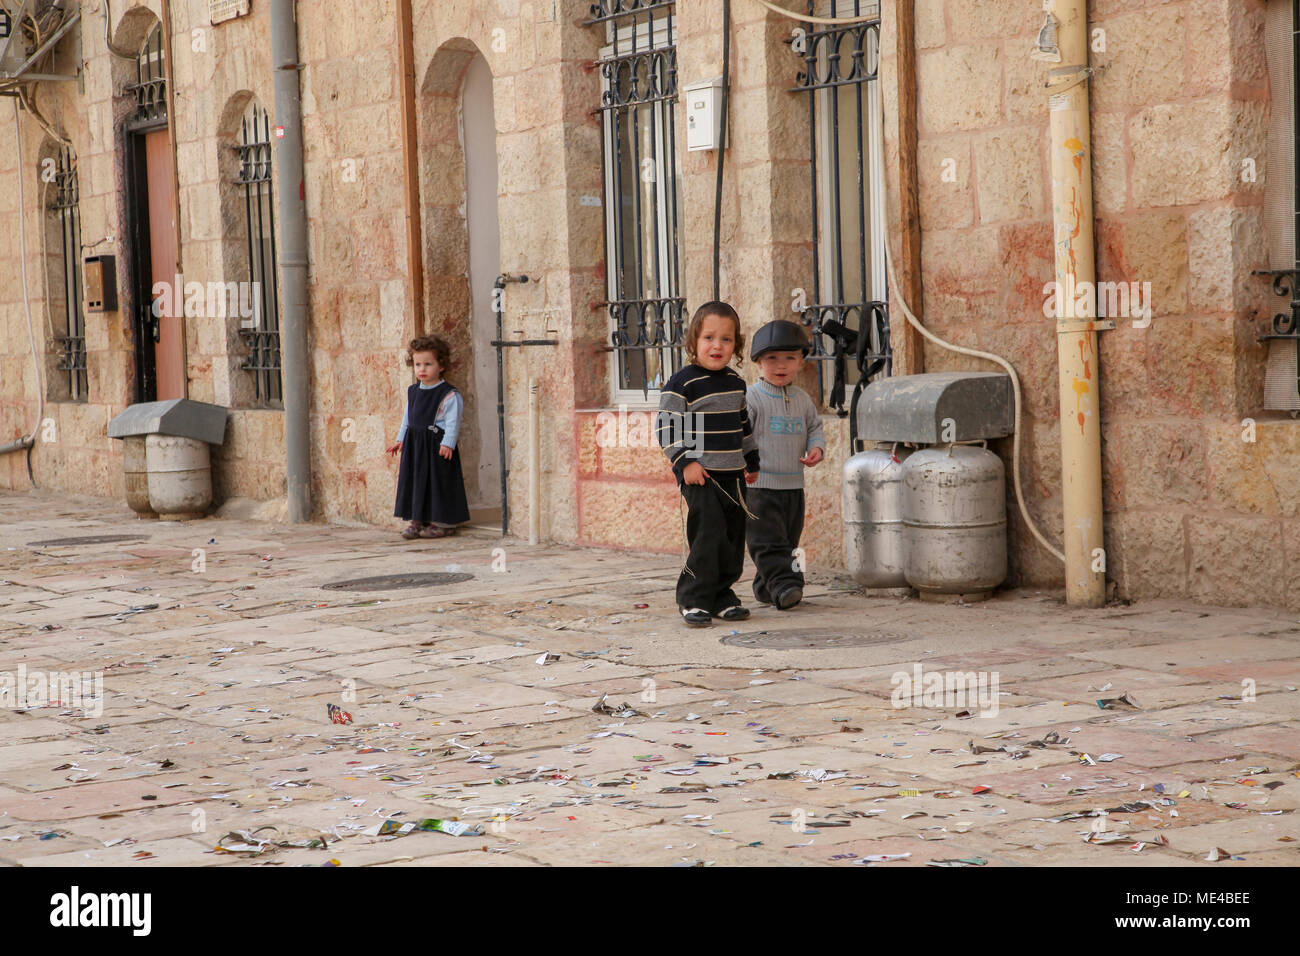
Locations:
{"points": [[1081, 388]]}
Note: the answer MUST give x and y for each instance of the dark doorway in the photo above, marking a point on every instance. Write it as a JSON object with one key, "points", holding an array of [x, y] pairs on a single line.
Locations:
{"points": [[152, 234]]}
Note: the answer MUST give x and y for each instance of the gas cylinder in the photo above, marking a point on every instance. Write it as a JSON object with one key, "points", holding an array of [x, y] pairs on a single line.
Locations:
{"points": [[873, 516], [954, 520]]}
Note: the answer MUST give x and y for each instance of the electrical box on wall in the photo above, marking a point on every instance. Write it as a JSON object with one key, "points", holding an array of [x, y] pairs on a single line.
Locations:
{"points": [[101, 283], [704, 115]]}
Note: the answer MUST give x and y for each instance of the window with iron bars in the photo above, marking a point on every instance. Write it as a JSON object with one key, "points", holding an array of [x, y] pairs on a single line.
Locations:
{"points": [[150, 87], [1282, 206], [642, 199], [261, 331], [64, 210], [847, 315]]}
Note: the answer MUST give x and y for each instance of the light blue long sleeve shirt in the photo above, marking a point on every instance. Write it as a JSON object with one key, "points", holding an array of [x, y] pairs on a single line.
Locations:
{"points": [[448, 417]]}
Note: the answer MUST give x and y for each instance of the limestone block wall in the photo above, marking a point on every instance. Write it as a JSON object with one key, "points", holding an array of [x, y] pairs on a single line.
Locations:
{"points": [[1179, 100]]}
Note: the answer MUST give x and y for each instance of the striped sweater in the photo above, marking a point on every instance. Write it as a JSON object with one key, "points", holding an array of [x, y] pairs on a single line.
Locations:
{"points": [[703, 417], [787, 426]]}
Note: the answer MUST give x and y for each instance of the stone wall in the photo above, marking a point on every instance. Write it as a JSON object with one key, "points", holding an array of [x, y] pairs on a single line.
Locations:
{"points": [[1179, 100]]}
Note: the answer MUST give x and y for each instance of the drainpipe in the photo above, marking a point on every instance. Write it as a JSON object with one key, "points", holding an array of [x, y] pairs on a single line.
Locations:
{"points": [[1077, 358], [410, 163], [293, 259]]}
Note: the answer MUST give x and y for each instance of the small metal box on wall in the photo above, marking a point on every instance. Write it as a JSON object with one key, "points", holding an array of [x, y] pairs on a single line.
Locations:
{"points": [[101, 283]]}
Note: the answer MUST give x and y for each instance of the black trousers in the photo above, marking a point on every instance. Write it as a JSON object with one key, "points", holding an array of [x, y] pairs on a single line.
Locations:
{"points": [[715, 529], [773, 534]]}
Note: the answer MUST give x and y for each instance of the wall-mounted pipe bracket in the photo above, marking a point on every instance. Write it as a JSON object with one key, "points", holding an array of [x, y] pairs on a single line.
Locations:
{"points": [[1085, 325]]}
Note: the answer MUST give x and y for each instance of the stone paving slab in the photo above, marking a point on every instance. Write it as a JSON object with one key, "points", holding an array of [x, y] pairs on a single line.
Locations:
{"points": [[216, 707]]}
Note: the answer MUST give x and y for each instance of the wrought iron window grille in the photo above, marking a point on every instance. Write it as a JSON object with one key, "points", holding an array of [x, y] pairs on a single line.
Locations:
{"points": [[150, 87], [840, 65], [638, 73], [261, 332], [65, 206]]}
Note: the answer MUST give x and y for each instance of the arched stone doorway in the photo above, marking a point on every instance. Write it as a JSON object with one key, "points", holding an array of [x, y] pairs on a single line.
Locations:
{"points": [[149, 211], [458, 207]]}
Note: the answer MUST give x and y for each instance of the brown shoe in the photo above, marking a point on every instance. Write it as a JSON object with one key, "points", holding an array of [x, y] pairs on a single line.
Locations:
{"points": [[412, 530], [433, 531]]}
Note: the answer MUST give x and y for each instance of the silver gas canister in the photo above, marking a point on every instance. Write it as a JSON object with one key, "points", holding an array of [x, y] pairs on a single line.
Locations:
{"points": [[954, 520], [873, 516]]}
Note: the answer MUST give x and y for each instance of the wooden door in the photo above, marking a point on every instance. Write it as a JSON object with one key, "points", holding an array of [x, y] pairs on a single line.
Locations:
{"points": [[169, 350]]}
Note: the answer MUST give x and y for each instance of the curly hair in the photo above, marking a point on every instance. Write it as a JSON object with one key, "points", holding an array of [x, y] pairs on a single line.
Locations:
{"points": [[430, 343], [724, 310]]}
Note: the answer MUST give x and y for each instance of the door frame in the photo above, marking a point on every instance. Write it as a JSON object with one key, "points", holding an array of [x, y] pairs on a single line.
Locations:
{"points": [[139, 262]]}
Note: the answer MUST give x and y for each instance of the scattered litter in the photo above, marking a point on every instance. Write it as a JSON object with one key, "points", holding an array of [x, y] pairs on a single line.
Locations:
{"points": [[547, 658], [969, 861], [1124, 701], [623, 710], [1218, 853], [883, 857], [337, 714], [249, 841]]}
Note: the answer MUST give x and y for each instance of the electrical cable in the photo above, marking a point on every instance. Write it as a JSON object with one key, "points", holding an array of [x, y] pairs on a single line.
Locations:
{"points": [[807, 18], [121, 54], [1015, 387], [722, 133]]}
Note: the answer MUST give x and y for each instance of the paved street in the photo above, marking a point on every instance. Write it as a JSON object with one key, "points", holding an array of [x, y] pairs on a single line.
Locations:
{"points": [[220, 648]]}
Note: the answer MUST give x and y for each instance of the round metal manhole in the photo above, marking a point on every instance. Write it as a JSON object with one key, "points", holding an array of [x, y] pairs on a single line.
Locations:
{"points": [[396, 582], [89, 539], [825, 640]]}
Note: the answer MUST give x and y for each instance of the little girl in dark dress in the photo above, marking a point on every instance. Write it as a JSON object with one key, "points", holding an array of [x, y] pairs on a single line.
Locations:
{"points": [[430, 486]]}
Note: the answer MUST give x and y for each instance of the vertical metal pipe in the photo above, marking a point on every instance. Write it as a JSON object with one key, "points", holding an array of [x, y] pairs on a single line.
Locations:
{"points": [[293, 260], [723, 145], [410, 163], [1077, 358], [534, 462]]}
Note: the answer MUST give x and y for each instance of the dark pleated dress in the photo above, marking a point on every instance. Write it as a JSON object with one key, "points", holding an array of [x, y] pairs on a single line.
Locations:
{"points": [[430, 488]]}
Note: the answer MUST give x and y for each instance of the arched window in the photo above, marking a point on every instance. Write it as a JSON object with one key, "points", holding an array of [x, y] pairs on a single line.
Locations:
{"points": [[261, 331]]}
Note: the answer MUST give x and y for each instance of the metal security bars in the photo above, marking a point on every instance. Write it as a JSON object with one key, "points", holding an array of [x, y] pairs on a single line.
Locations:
{"points": [[261, 332], [72, 345], [848, 312], [638, 72], [150, 88]]}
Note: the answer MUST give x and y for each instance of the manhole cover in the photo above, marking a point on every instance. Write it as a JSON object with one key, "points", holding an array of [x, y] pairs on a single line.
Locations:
{"points": [[814, 640], [395, 582], [89, 539]]}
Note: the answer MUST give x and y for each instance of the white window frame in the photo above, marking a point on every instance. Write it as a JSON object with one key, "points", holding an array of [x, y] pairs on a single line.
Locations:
{"points": [[873, 159], [635, 397]]}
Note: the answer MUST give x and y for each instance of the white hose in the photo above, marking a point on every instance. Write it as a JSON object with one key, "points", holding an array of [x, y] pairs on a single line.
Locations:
{"points": [[28, 440], [1015, 388], [805, 18]]}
